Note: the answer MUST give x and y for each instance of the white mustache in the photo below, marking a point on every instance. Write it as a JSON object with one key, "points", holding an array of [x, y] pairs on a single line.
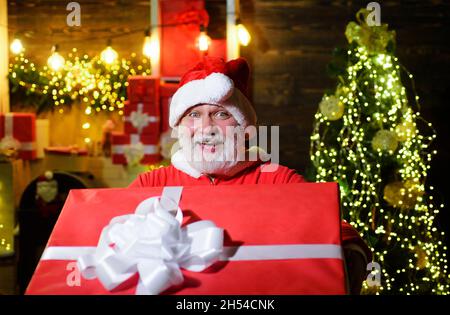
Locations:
{"points": [[208, 140]]}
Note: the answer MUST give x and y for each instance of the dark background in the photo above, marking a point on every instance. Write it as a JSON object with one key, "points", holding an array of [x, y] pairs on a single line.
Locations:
{"points": [[292, 43]]}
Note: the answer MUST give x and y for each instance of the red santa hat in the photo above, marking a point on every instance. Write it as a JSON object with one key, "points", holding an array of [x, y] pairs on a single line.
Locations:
{"points": [[214, 81]]}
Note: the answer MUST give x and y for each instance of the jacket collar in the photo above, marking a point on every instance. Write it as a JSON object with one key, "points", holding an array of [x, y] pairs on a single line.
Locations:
{"points": [[179, 162]]}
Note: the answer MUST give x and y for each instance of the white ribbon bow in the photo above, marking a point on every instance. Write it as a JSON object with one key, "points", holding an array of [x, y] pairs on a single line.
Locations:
{"points": [[140, 120], [9, 143], [152, 243], [134, 153]]}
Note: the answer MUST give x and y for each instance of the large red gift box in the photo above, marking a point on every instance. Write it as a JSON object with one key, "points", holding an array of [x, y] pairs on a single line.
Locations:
{"points": [[19, 130], [277, 218], [120, 143]]}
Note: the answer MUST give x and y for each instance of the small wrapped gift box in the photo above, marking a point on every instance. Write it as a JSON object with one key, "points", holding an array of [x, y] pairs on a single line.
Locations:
{"points": [[135, 149], [18, 130], [277, 239], [143, 89], [141, 117]]}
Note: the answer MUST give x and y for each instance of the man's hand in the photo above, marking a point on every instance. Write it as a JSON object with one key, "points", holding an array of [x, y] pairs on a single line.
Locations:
{"points": [[356, 267]]}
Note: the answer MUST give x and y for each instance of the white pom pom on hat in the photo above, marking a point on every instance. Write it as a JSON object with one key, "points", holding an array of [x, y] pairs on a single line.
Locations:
{"points": [[214, 81]]}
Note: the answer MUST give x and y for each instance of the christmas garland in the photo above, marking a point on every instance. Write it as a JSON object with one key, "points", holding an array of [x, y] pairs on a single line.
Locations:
{"points": [[81, 80]]}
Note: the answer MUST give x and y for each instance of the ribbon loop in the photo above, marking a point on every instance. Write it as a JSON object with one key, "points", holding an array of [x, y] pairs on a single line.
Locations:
{"points": [[152, 243]]}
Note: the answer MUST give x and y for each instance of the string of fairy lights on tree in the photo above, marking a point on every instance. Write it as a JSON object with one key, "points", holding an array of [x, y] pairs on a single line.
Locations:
{"points": [[366, 137]]}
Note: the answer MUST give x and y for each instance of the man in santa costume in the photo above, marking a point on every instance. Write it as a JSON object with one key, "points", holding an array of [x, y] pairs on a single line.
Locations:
{"points": [[213, 118]]}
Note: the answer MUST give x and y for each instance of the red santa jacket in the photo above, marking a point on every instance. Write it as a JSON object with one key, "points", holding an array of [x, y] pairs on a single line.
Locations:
{"points": [[171, 176]]}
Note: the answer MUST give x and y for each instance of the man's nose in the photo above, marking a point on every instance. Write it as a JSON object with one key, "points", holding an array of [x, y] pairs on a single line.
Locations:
{"points": [[207, 122], [206, 125]]}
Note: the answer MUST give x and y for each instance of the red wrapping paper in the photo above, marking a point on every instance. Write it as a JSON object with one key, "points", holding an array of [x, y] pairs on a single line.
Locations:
{"points": [[167, 91], [151, 145], [306, 213], [22, 127], [178, 39], [143, 89], [218, 48]]}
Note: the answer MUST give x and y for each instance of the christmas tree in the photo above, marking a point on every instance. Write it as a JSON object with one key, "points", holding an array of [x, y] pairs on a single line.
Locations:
{"points": [[370, 138]]}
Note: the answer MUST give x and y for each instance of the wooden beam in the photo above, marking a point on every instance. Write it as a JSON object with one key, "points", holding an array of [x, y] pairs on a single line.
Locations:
{"points": [[232, 40], [155, 19], [4, 45]]}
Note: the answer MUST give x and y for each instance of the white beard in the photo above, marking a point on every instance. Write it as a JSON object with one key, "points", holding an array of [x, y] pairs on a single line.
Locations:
{"points": [[227, 159]]}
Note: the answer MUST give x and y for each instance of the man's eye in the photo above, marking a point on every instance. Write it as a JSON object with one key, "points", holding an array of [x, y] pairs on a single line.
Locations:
{"points": [[194, 114], [222, 115]]}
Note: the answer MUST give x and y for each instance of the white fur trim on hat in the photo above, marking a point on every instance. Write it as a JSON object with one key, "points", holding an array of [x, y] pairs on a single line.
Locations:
{"points": [[217, 89]]}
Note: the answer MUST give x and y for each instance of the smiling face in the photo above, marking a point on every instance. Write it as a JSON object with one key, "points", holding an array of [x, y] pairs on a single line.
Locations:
{"points": [[206, 135]]}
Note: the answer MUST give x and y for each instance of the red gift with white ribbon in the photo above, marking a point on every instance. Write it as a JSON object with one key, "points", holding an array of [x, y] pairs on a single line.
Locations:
{"points": [[277, 239], [18, 131], [141, 118], [135, 149]]}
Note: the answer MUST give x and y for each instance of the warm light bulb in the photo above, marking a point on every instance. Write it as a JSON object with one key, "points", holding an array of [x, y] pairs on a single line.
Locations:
{"points": [[109, 55], [243, 34], [203, 41], [55, 61], [151, 48], [16, 46], [146, 49], [86, 125]]}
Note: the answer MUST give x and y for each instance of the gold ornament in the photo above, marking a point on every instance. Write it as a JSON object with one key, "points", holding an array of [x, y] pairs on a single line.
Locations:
{"points": [[422, 257], [392, 193], [402, 195], [342, 90], [413, 191], [370, 290], [385, 140], [352, 32], [331, 107], [374, 38], [405, 130]]}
